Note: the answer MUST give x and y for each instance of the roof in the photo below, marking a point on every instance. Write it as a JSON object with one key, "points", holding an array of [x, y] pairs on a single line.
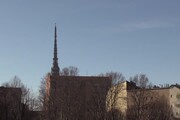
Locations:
{"points": [[130, 85], [95, 79], [158, 88], [176, 85], [10, 88]]}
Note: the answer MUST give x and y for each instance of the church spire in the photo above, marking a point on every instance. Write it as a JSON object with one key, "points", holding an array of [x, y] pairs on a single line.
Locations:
{"points": [[55, 67]]}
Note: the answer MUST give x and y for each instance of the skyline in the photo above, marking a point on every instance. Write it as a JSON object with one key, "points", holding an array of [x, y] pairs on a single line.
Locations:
{"points": [[95, 36]]}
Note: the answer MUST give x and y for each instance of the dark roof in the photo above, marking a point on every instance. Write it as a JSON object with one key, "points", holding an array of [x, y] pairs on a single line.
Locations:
{"points": [[157, 88], [131, 85], [176, 85], [10, 89], [84, 78]]}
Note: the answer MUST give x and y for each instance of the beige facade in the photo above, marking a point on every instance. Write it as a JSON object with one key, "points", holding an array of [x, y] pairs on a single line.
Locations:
{"points": [[125, 95], [117, 98], [174, 95]]}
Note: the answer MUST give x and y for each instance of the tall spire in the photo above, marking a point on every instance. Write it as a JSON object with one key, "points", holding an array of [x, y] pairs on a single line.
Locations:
{"points": [[55, 67]]}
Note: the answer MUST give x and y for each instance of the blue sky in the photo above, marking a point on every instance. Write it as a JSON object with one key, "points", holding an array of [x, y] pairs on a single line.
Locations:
{"points": [[97, 36]]}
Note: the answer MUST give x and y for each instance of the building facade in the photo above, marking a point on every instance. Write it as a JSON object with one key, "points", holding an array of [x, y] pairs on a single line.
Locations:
{"points": [[146, 103], [10, 103]]}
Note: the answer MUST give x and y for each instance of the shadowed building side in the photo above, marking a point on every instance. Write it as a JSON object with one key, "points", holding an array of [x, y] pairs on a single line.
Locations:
{"points": [[10, 103]]}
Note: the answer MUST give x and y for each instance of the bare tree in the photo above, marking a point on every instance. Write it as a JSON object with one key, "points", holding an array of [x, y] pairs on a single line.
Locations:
{"points": [[96, 102], [43, 93], [115, 98], [70, 71], [116, 102], [116, 77], [141, 80], [77, 98], [139, 102], [71, 101], [10, 102], [147, 104], [160, 109], [45, 103], [66, 104], [28, 100]]}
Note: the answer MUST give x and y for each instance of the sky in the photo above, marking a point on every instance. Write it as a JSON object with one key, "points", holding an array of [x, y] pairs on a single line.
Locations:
{"points": [[97, 36]]}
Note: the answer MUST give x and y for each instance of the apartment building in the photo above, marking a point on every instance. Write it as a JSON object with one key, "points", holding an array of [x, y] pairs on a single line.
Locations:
{"points": [[145, 103]]}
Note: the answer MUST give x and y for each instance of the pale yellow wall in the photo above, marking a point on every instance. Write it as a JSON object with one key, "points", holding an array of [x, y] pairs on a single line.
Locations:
{"points": [[174, 101], [117, 97], [170, 95], [123, 98], [161, 93]]}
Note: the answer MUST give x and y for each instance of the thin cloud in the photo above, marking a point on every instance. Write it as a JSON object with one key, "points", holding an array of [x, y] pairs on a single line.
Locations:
{"points": [[134, 26], [149, 25]]}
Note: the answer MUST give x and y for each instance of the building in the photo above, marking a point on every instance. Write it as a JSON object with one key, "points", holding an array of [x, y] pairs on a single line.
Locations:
{"points": [[146, 103], [12, 106], [10, 103], [117, 100], [75, 97]]}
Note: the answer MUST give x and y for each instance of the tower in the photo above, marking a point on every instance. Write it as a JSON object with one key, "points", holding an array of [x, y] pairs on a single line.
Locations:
{"points": [[53, 98], [55, 67]]}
